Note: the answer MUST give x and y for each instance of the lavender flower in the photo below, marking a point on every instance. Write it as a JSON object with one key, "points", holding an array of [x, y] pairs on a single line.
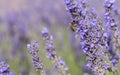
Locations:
{"points": [[89, 28], [37, 63], [5, 69], [112, 31], [57, 61]]}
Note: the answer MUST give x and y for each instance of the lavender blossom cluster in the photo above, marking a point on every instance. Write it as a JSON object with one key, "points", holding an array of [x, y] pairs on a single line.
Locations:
{"points": [[37, 63], [94, 38], [112, 31], [57, 61], [5, 69]]}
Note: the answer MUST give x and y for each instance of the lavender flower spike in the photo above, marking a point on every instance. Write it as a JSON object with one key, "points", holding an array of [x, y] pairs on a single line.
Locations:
{"points": [[5, 69], [57, 61], [112, 27], [89, 28], [37, 63]]}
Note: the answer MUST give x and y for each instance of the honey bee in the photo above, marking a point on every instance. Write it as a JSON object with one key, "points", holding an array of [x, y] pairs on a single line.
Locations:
{"points": [[72, 25]]}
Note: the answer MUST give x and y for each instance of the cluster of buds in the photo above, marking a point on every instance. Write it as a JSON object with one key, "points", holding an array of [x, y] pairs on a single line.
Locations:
{"points": [[57, 62], [5, 69], [37, 63], [89, 28]]}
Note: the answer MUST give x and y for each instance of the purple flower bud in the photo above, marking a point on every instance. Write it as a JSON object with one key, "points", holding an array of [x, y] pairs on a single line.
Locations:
{"points": [[44, 32], [5, 69], [3, 66], [33, 47]]}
